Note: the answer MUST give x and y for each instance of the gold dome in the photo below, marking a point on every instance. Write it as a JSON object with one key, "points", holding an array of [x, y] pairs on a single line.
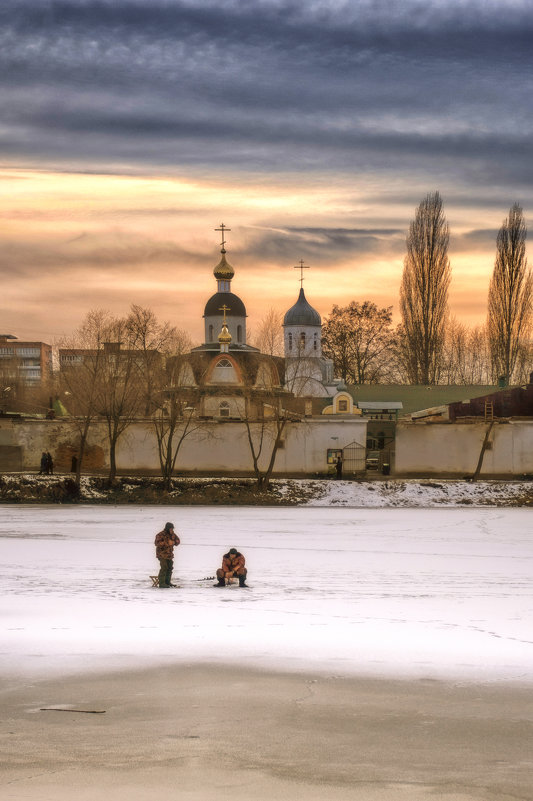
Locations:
{"points": [[223, 270], [224, 337]]}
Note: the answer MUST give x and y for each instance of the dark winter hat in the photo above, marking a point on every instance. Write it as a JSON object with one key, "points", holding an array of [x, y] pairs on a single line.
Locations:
{"points": [[233, 550], [168, 526]]}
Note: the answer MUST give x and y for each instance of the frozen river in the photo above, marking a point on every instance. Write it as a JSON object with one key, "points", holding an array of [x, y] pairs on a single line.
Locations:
{"points": [[436, 593]]}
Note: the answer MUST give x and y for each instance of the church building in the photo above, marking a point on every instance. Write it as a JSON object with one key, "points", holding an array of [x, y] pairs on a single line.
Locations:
{"points": [[307, 372], [232, 378]]}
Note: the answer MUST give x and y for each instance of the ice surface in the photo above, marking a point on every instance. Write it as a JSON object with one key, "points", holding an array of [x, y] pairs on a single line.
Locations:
{"points": [[434, 593]]}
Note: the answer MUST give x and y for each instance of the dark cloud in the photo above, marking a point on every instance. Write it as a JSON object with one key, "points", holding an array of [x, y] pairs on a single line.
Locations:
{"points": [[109, 252], [433, 86], [476, 240], [325, 245]]}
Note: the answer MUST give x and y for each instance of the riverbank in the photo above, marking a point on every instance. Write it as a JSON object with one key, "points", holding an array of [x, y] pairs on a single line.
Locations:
{"points": [[202, 732], [390, 492]]}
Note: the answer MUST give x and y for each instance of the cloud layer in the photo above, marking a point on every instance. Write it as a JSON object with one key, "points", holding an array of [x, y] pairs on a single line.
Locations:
{"points": [[271, 85], [312, 128]]}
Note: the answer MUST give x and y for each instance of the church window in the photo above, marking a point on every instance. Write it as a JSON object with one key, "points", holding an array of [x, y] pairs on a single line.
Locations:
{"points": [[210, 333], [223, 409], [315, 342], [224, 363], [343, 405], [290, 341], [302, 339], [239, 333]]}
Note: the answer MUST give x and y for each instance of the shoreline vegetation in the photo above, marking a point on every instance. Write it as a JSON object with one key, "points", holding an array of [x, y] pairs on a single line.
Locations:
{"points": [[27, 488]]}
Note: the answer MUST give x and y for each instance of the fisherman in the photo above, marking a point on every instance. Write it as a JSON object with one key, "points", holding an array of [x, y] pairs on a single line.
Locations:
{"points": [[232, 565], [164, 551]]}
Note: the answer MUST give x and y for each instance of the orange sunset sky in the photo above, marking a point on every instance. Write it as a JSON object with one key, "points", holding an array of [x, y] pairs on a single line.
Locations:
{"points": [[131, 130]]}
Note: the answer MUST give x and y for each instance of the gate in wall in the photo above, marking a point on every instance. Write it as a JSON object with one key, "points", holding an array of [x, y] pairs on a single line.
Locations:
{"points": [[354, 458]]}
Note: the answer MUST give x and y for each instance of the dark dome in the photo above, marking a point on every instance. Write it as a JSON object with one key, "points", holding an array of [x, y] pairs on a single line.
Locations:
{"points": [[215, 303], [302, 313]]}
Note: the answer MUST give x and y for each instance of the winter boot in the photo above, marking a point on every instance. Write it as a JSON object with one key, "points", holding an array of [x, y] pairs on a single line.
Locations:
{"points": [[242, 581], [221, 583]]}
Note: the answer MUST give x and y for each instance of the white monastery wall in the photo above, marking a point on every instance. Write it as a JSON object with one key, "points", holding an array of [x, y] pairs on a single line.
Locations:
{"points": [[215, 446], [454, 448]]}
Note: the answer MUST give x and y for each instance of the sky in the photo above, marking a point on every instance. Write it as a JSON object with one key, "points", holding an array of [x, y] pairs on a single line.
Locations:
{"points": [[130, 129]]}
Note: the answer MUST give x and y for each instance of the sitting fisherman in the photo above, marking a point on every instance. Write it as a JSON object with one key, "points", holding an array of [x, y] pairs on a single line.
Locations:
{"points": [[232, 565]]}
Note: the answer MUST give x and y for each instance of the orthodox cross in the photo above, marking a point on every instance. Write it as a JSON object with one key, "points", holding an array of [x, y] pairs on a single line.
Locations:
{"points": [[224, 309], [223, 228], [301, 266]]}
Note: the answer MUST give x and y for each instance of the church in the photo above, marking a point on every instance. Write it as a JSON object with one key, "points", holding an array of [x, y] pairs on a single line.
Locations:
{"points": [[234, 380], [258, 397]]}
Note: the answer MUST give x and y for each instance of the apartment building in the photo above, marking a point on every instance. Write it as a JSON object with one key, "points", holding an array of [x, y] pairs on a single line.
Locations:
{"points": [[27, 362]]}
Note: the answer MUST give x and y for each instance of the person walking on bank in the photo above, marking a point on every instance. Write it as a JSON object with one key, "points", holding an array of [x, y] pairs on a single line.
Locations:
{"points": [[164, 551], [338, 467], [49, 464], [44, 464], [232, 565]]}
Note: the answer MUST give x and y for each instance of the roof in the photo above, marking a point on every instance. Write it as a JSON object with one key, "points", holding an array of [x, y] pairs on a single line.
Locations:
{"points": [[380, 405], [507, 402], [236, 307], [418, 396], [215, 347], [302, 313]]}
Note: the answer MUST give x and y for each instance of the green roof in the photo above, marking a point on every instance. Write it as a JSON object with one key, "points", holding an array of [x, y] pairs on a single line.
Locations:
{"points": [[417, 397]]}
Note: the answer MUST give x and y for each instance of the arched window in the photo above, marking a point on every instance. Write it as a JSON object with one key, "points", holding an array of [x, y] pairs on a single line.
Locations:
{"points": [[223, 409], [315, 342], [239, 333], [302, 340], [210, 333], [223, 363], [290, 341]]}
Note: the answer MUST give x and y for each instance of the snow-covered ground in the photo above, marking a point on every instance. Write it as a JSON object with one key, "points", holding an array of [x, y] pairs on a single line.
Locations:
{"points": [[375, 492], [437, 593]]}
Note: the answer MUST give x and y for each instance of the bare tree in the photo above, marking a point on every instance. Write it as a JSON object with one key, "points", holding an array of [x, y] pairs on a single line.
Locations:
{"points": [[81, 362], [357, 338], [510, 297], [269, 337], [265, 414], [118, 399], [424, 292], [153, 341], [466, 357], [176, 416]]}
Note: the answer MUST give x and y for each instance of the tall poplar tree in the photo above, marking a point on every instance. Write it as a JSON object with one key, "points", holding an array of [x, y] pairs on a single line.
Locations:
{"points": [[424, 292], [510, 297]]}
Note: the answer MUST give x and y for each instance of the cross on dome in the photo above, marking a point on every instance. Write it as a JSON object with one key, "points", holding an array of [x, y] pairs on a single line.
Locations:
{"points": [[224, 309], [301, 266], [223, 228]]}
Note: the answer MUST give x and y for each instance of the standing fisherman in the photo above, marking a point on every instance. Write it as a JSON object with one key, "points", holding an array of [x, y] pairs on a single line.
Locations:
{"points": [[164, 551]]}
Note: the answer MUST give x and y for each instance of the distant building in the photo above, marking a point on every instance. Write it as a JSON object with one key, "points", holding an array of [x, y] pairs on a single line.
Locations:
{"points": [[112, 351], [29, 363]]}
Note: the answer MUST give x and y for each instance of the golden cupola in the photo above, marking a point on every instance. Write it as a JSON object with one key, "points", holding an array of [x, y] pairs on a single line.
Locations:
{"points": [[223, 271], [224, 337]]}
